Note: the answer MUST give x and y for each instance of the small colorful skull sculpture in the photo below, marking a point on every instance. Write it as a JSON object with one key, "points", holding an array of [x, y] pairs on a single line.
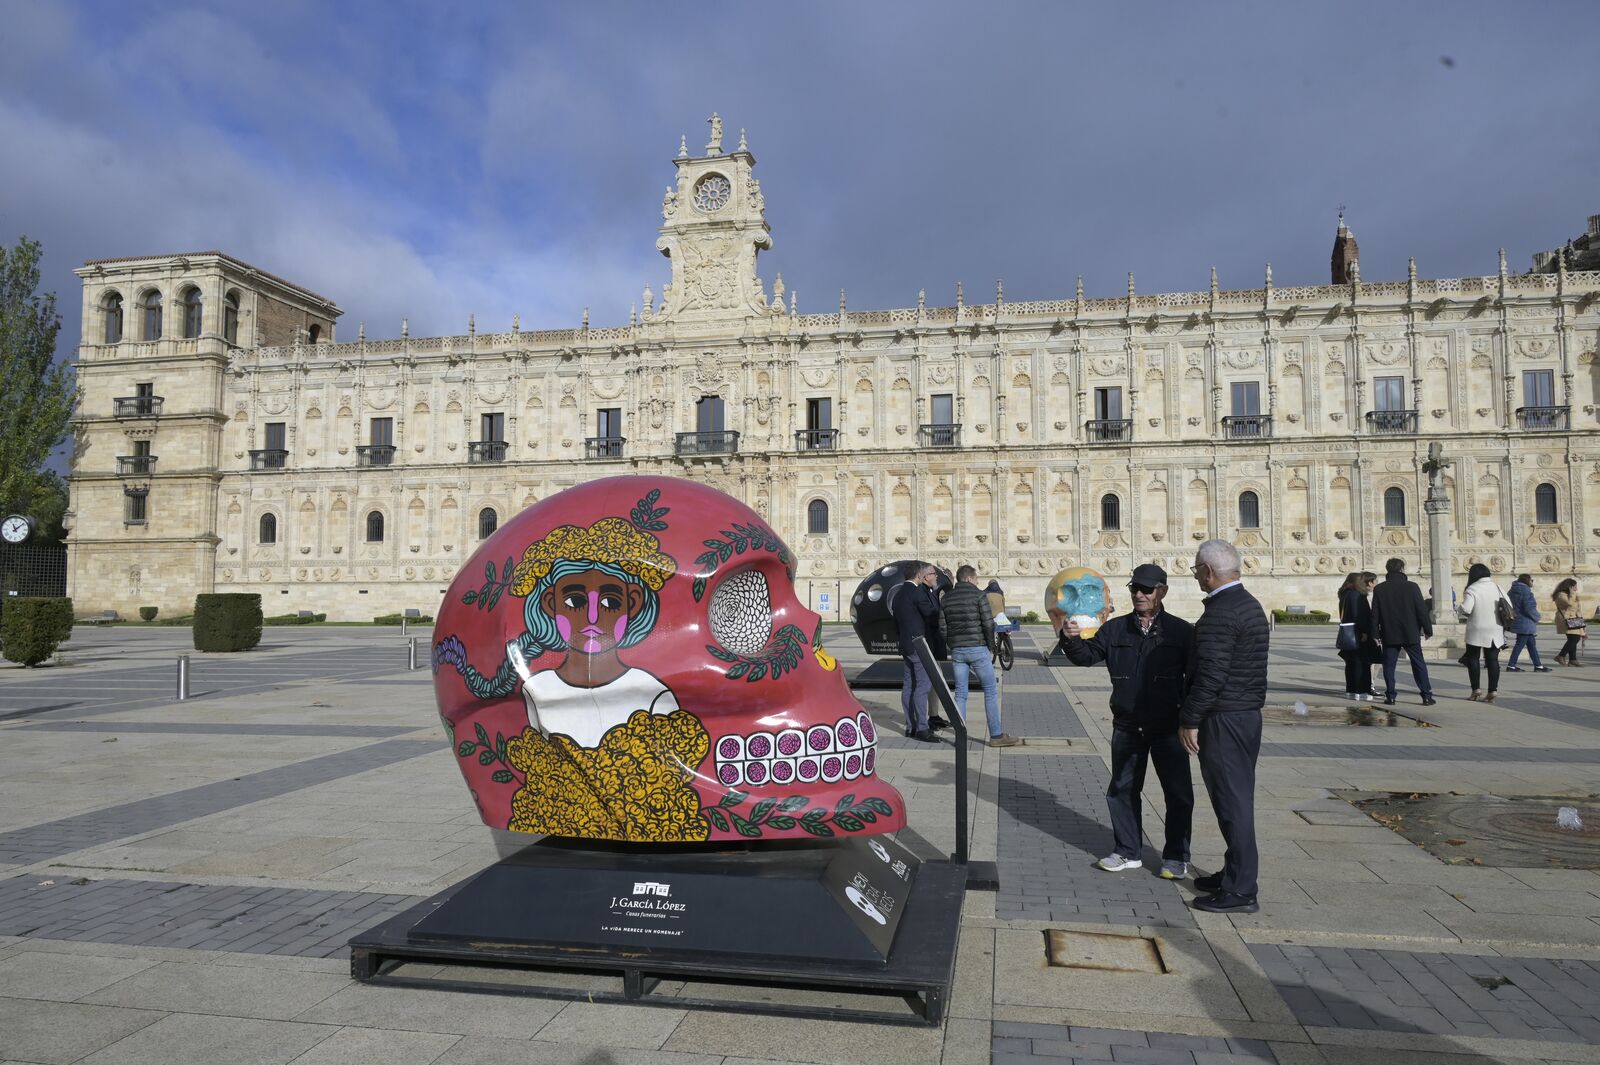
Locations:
{"points": [[1078, 594], [627, 660], [870, 606]]}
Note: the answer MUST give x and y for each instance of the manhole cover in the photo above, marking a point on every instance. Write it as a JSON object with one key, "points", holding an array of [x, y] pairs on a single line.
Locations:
{"points": [[1107, 951], [1518, 833], [1340, 714]]}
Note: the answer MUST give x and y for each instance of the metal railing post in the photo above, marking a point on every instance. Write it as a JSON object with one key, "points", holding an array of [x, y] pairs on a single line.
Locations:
{"points": [[942, 690], [183, 677]]}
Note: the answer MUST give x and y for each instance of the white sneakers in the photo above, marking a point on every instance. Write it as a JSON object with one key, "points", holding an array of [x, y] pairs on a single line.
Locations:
{"points": [[1116, 863]]}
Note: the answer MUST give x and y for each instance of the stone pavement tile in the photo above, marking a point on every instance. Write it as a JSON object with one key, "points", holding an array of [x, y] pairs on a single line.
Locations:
{"points": [[824, 1042], [1558, 879], [605, 1024], [972, 993], [62, 977], [192, 1039], [417, 1010], [1555, 903], [1521, 928], [363, 1046], [1385, 896], [1253, 986], [233, 991], [966, 1042], [1289, 917], [490, 1050], [59, 1032]]}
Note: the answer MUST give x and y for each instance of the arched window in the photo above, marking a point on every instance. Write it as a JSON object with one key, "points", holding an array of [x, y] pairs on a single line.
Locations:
{"points": [[488, 522], [375, 527], [269, 529], [315, 333], [230, 317], [152, 315], [1249, 510], [1110, 512], [192, 308], [817, 517], [113, 312], [1394, 506], [1544, 504]]}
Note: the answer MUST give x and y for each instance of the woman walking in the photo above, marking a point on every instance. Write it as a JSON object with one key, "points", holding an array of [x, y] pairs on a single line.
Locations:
{"points": [[1355, 636], [1569, 621], [1485, 634], [1525, 625]]}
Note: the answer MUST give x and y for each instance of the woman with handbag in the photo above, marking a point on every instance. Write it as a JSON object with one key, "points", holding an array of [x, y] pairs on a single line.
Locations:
{"points": [[1487, 611], [1569, 621], [1355, 642]]}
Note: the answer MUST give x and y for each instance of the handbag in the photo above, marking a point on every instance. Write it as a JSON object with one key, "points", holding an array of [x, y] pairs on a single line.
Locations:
{"points": [[1347, 639], [1503, 613]]}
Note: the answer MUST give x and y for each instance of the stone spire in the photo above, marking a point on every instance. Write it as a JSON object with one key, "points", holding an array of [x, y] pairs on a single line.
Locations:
{"points": [[1346, 255], [683, 146]]}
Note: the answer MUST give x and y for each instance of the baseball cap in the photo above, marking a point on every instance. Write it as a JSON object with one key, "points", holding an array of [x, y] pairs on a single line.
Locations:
{"points": [[1149, 575]]}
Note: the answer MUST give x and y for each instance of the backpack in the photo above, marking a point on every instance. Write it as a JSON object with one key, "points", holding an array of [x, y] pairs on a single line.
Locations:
{"points": [[1503, 612]]}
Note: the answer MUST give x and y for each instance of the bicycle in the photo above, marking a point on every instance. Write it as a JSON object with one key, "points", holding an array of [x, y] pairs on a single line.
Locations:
{"points": [[1003, 652]]}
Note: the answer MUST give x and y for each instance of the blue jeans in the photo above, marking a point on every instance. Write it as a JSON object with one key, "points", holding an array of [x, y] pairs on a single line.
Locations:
{"points": [[965, 658], [1530, 640], [914, 690]]}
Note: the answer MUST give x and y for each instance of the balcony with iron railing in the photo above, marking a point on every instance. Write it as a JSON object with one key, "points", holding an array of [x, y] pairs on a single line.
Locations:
{"points": [[604, 447], [939, 434], [816, 440], [1247, 427], [136, 465], [1544, 419], [374, 454], [486, 451], [1392, 422], [718, 443], [269, 458], [137, 406], [1109, 431]]}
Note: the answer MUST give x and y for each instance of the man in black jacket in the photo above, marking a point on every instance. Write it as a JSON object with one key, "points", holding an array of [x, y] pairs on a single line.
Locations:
{"points": [[1221, 720], [1147, 654], [916, 613], [1400, 621]]}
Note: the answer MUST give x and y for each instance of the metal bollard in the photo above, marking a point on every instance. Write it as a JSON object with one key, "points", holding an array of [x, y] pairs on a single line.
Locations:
{"points": [[404, 624], [413, 654], [183, 677]]}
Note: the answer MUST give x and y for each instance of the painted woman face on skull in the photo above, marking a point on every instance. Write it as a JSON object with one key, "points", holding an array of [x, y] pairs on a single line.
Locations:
{"points": [[654, 677]]}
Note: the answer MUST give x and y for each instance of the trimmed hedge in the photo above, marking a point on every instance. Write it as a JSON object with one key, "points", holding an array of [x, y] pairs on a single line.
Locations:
{"points": [[395, 619], [147, 613], [182, 619], [1031, 618], [34, 626], [1310, 617], [229, 621], [294, 619]]}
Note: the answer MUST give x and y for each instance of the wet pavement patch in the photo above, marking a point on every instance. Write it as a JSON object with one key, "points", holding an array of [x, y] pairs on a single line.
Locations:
{"points": [[1340, 714], [1490, 830], [1106, 951]]}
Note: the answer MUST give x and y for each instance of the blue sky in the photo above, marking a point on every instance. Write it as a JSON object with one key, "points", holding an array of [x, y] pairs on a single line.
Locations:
{"points": [[423, 161]]}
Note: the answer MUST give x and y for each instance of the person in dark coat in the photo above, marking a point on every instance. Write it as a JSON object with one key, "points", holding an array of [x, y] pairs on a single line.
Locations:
{"points": [[1147, 654], [916, 613], [967, 625], [1400, 622], [1524, 624], [1355, 611], [1221, 720]]}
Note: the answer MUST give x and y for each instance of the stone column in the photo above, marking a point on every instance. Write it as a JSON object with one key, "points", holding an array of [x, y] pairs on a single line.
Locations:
{"points": [[1437, 507]]}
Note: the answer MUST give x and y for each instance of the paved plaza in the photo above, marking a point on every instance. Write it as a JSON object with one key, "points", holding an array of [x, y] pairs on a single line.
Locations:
{"points": [[178, 879]]}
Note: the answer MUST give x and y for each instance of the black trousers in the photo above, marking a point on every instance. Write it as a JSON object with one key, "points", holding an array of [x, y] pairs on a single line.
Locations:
{"points": [[1230, 743], [1357, 672], [1569, 650], [1419, 668], [1131, 752], [1491, 658]]}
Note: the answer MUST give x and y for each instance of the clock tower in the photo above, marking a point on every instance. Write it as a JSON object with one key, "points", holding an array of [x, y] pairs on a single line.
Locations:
{"points": [[713, 225]]}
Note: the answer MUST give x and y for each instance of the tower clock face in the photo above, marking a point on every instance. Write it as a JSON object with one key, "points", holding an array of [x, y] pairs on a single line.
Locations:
{"points": [[711, 192], [15, 529]]}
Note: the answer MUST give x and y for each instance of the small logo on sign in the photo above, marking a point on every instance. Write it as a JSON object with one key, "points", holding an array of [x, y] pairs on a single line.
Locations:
{"points": [[651, 887]]}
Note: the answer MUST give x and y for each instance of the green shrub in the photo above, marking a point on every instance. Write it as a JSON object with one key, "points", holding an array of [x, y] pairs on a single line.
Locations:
{"points": [[395, 619], [181, 619], [1310, 617], [1031, 618], [227, 621], [34, 626], [147, 613], [294, 619]]}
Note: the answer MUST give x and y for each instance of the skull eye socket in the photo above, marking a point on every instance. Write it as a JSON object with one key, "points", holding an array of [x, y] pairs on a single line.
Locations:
{"points": [[740, 613]]}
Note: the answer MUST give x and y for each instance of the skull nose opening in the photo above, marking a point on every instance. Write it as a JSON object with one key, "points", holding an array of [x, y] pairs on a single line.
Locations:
{"points": [[740, 612]]}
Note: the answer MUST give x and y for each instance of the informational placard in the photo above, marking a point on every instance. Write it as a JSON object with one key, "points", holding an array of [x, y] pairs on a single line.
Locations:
{"points": [[824, 603], [873, 879]]}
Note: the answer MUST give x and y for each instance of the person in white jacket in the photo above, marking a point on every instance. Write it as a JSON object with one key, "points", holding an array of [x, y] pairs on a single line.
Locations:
{"points": [[1485, 634]]}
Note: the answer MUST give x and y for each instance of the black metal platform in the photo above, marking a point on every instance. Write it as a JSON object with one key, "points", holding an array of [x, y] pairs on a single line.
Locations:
{"points": [[888, 674], [839, 916]]}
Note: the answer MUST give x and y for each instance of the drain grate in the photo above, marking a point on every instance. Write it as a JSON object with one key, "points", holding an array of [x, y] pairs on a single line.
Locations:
{"points": [[1516, 832], [1106, 951]]}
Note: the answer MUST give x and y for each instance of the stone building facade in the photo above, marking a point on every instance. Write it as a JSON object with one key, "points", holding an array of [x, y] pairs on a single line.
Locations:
{"points": [[234, 445]]}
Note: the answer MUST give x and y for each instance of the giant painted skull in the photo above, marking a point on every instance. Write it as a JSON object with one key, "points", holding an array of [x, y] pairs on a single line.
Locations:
{"points": [[1079, 594], [627, 660], [873, 599]]}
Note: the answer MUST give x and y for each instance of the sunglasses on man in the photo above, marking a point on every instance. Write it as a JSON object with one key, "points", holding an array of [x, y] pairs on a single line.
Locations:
{"points": [[1141, 589]]}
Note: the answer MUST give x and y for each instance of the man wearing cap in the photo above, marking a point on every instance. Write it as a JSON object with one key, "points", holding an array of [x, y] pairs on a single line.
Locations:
{"points": [[1147, 655]]}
